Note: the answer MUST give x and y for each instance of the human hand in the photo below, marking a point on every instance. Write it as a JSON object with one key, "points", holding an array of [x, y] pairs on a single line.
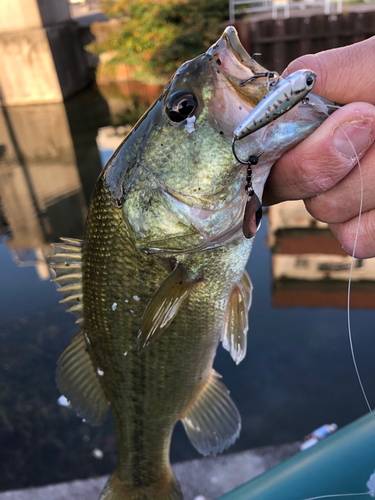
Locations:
{"points": [[322, 170]]}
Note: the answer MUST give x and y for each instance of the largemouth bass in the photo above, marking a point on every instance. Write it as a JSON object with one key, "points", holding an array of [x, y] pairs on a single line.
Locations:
{"points": [[159, 277]]}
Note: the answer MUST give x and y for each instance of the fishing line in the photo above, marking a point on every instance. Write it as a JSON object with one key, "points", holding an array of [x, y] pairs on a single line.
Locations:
{"points": [[351, 271], [325, 111], [340, 495], [354, 249]]}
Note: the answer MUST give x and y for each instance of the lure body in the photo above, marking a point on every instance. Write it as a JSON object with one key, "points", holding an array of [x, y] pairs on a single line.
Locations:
{"points": [[284, 96]]}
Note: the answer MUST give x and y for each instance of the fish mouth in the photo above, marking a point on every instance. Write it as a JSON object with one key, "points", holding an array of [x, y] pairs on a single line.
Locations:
{"points": [[230, 39], [231, 102], [234, 100], [236, 65]]}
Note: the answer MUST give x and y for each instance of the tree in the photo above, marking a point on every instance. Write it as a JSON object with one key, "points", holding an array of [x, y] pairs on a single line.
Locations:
{"points": [[157, 36]]}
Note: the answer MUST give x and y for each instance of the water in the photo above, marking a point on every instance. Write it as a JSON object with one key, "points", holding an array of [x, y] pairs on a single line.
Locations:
{"points": [[297, 374]]}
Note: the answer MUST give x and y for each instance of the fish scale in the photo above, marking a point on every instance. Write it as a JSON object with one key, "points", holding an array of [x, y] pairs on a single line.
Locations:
{"points": [[112, 333]]}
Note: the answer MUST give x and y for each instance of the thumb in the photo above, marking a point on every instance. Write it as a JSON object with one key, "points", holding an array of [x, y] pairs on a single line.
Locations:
{"points": [[343, 75]]}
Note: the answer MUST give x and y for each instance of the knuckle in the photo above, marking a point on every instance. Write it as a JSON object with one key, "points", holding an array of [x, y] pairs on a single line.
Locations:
{"points": [[319, 175], [324, 208], [321, 70], [305, 61], [343, 234], [346, 232], [366, 241]]}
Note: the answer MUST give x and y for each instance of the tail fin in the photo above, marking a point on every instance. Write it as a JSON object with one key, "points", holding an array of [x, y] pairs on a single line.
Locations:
{"points": [[115, 489]]}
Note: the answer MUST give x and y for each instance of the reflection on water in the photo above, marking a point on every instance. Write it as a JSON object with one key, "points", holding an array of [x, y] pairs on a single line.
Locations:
{"points": [[48, 168], [309, 266], [47, 173], [298, 372]]}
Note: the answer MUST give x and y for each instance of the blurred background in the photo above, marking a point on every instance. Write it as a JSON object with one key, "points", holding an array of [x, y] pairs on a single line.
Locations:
{"points": [[75, 77]]}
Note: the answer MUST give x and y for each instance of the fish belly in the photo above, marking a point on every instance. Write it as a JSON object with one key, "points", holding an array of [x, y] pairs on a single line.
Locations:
{"points": [[149, 392]]}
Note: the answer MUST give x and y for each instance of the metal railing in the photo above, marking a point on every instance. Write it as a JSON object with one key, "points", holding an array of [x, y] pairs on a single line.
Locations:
{"points": [[237, 7]]}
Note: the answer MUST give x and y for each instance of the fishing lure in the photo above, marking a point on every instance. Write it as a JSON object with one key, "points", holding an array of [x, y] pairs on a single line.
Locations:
{"points": [[283, 96], [253, 208]]}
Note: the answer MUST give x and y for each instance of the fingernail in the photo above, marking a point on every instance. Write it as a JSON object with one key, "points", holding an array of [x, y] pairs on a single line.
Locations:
{"points": [[357, 135]]}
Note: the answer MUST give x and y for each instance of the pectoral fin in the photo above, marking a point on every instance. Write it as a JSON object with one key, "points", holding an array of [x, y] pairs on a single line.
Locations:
{"points": [[213, 422], [164, 306], [236, 325], [79, 383], [248, 289]]}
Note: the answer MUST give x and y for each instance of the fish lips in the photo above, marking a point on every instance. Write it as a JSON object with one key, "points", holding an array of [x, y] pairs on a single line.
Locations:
{"points": [[222, 68], [235, 64]]}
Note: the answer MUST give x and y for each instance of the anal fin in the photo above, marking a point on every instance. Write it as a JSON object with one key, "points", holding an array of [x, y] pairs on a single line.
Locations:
{"points": [[164, 306], [79, 383], [213, 422], [236, 323]]}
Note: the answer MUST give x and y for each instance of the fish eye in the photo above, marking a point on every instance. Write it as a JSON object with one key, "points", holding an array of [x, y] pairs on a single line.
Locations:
{"points": [[309, 81], [181, 105]]}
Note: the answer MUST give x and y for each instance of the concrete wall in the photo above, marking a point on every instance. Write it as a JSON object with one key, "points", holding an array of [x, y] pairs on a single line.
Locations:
{"points": [[41, 53], [201, 479], [28, 70], [28, 14]]}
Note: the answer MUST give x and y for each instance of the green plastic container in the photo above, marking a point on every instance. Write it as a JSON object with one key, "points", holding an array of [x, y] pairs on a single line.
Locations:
{"points": [[341, 464]]}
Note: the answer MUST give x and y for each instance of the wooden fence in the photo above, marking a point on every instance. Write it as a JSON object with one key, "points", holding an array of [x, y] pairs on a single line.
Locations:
{"points": [[282, 40]]}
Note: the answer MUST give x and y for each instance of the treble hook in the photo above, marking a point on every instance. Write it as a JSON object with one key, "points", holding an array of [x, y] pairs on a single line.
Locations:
{"points": [[272, 81], [272, 78]]}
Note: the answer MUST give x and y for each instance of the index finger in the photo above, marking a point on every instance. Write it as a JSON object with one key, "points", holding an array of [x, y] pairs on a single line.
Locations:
{"points": [[319, 162], [343, 75]]}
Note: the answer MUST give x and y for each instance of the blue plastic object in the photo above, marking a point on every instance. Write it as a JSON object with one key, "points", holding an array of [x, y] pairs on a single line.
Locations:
{"points": [[341, 464]]}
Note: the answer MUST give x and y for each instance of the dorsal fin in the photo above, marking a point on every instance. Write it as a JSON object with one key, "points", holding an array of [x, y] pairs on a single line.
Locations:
{"points": [[72, 241], [79, 383], [236, 323], [212, 422], [164, 306], [67, 264]]}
